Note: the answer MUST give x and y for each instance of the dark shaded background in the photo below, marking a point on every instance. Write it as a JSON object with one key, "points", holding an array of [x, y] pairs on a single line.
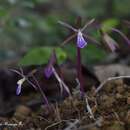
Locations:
{"points": [[26, 24]]}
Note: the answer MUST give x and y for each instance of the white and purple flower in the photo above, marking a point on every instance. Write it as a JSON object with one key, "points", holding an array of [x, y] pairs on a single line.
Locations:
{"points": [[19, 85], [81, 43]]}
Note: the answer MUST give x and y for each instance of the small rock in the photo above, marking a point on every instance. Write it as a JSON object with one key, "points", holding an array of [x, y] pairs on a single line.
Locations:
{"points": [[118, 96], [109, 87], [128, 100], [120, 89], [22, 112], [108, 101], [119, 82]]}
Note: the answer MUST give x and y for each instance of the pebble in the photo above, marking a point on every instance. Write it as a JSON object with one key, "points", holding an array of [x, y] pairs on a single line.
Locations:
{"points": [[120, 89], [108, 101], [22, 112], [128, 100], [119, 96], [119, 82]]}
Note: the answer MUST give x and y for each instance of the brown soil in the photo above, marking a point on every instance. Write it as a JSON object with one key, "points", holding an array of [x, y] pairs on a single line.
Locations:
{"points": [[110, 107]]}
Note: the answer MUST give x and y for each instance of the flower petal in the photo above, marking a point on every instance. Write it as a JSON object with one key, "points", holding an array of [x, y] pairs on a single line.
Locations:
{"points": [[81, 43], [18, 90], [21, 81], [48, 71], [19, 85]]}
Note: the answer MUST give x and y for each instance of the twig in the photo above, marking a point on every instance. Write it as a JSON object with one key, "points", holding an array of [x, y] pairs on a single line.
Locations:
{"points": [[41, 91], [122, 34], [98, 123], [109, 79], [68, 39], [56, 123], [57, 112], [73, 125], [67, 26], [87, 24], [89, 109], [61, 82]]}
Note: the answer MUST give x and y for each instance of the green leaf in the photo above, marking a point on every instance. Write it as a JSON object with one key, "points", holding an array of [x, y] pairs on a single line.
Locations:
{"points": [[108, 24], [92, 55], [3, 12], [41, 55]]}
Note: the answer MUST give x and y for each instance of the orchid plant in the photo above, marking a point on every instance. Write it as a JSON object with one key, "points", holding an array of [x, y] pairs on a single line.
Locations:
{"points": [[50, 70], [24, 78], [78, 33], [81, 42], [109, 41]]}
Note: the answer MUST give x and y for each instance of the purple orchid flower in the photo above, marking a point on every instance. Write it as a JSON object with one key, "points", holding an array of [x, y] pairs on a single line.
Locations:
{"points": [[22, 80], [25, 78], [18, 90], [19, 86], [81, 42]]}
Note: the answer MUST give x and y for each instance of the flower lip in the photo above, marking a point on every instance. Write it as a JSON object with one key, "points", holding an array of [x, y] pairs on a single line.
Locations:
{"points": [[18, 90], [19, 85], [81, 43], [21, 81]]}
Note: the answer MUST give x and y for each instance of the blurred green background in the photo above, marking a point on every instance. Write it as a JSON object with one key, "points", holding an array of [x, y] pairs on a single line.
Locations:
{"points": [[29, 28]]}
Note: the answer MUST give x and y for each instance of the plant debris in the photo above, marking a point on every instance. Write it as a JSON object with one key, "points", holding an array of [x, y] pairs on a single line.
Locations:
{"points": [[110, 108]]}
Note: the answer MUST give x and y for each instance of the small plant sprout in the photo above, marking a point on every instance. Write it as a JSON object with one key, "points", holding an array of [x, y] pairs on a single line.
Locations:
{"points": [[52, 61], [80, 43], [50, 70], [109, 40], [25, 78]]}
